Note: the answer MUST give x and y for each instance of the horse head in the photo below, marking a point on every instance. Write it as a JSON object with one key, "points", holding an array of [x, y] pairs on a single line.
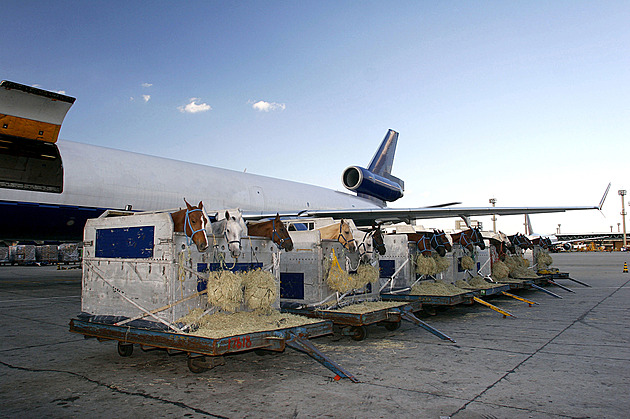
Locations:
{"points": [[377, 239], [440, 242], [478, 238], [280, 235], [345, 236], [232, 228], [192, 222]]}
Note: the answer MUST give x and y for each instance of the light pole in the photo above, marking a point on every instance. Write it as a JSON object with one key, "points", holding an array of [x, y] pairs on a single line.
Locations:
{"points": [[494, 216], [622, 193], [558, 229]]}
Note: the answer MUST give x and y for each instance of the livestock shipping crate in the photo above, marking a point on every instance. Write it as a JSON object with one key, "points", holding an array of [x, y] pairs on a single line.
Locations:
{"points": [[141, 257], [303, 272]]}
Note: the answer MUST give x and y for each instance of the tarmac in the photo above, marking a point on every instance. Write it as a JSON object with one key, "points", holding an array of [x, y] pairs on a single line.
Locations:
{"points": [[565, 358]]}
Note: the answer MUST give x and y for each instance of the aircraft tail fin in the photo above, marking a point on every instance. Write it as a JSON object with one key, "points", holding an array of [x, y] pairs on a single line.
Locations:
{"points": [[528, 226], [383, 160]]}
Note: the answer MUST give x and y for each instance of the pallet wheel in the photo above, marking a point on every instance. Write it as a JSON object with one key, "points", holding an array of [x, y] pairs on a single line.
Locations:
{"points": [[359, 333], [125, 349], [197, 364], [391, 326]]}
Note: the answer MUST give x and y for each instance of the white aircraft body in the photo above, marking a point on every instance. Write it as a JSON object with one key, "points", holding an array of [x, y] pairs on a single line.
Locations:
{"points": [[49, 188]]}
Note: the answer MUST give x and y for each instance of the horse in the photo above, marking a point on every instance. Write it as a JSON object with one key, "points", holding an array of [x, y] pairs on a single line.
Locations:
{"points": [[341, 232], [519, 240], [469, 239], [500, 247], [544, 242], [273, 229], [233, 228], [430, 240], [192, 222], [377, 240]]}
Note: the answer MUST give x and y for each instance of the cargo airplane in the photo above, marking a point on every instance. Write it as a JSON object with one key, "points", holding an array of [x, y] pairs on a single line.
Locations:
{"points": [[49, 188]]}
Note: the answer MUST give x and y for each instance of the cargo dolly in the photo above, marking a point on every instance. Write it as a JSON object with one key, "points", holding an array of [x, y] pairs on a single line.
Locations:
{"points": [[355, 324], [205, 353]]}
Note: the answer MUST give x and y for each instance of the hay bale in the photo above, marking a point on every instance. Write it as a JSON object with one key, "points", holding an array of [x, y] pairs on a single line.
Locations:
{"points": [[261, 290], [225, 290], [460, 283], [441, 263], [365, 274], [338, 279], [467, 263], [518, 267], [499, 270], [367, 306], [544, 260], [425, 265]]}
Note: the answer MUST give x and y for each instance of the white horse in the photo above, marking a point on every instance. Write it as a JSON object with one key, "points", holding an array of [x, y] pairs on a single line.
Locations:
{"points": [[231, 226]]}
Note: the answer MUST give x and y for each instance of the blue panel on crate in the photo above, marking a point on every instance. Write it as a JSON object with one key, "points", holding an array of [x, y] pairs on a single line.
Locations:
{"points": [[386, 268], [292, 285], [126, 243], [234, 267]]}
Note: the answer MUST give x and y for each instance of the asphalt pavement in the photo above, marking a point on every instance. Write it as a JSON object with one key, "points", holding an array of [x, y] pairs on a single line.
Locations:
{"points": [[566, 358]]}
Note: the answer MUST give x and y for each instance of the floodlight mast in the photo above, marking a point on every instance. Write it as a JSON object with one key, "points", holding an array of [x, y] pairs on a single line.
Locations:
{"points": [[493, 201], [622, 193]]}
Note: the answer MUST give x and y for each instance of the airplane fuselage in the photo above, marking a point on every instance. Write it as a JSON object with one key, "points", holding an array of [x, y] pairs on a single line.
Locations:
{"points": [[98, 178]]}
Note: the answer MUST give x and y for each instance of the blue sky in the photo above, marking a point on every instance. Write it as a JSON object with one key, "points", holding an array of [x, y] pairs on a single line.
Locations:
{"points": [[527, 102]]}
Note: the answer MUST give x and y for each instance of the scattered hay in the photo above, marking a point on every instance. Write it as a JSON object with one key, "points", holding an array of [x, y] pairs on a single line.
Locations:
{"points": [[480, 283], [261, 290], [425, 265], [222, 325], [544, 260], [225, 290], [436, 288], [467, 263], [499, 270], [441, 263], [368, 306]]}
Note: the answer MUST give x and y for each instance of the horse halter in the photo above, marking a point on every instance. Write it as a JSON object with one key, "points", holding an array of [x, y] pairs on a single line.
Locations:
{"points": [[435, 243], [340, 237], [275, 234], [188, 224]]}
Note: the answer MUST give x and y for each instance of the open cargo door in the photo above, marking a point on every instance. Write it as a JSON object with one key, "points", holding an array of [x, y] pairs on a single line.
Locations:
{"points": [[30, 120]]}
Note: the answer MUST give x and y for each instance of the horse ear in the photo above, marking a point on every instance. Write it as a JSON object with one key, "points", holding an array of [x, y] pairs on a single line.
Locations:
{"points": [[187, 204], [227, 215], [200, 205]]}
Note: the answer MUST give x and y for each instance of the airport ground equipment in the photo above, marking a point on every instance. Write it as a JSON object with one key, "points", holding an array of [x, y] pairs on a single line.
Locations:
{"points": [[304, 270], [549, 273], [47, 253], [4, 254], [23, 254], [140, 277]]}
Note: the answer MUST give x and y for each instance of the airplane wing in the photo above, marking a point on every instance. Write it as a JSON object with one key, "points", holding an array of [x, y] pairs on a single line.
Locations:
{"points": [[367, 216]]}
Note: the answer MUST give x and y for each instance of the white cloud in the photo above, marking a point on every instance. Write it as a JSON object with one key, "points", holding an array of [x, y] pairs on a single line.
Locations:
{"points": [[147, 84], [263, 106], [146, 98], [194, 107]]}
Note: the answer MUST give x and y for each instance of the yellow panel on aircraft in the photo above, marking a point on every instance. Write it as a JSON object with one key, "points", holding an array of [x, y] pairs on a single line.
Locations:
{"points": [[28, 128]]}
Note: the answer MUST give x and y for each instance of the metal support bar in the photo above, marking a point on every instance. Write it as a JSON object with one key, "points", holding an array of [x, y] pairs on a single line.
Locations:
{"points": [[495, 308], [561, 286], [304, 345], [407, 315], [531, 303], [544, 290], [579, 282]]}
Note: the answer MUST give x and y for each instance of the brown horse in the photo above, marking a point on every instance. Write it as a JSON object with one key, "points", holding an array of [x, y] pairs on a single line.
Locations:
{"points": [[469, 239], [192, 222], [430, 240], [519, 240], [273, 229], [341, 232], [500, 247], [544, 242]]}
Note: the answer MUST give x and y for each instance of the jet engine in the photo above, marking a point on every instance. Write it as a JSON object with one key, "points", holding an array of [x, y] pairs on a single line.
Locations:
{"points": [[364, 182], [567, 246]]}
